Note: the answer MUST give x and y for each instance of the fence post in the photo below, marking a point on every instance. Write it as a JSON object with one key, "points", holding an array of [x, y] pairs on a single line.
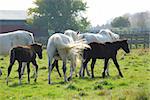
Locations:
{"points": [[136, 44]]}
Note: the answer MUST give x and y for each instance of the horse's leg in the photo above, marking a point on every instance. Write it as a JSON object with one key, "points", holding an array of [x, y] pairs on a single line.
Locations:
{"points": [[9, 70], [50, 53], [87, 71], [54, 64], [117, 65], [57, 67], [107, 70], [92, 67], [36, 69], [23, 67], [105, 67], [81, 69], [49, 70], [64, 70], [73, 65], [28, 71], [19, 72], [85, 62]]}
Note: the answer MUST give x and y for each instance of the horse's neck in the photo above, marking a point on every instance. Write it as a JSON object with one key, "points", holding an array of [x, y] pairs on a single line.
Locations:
{"points": [[33, 49], [116, 45]]}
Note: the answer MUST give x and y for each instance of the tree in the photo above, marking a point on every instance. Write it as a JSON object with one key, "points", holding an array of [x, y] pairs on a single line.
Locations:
{"points": [[120, 22], [140, 21], [59, 15]]}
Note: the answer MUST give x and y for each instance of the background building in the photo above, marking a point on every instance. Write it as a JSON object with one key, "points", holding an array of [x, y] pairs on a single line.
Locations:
{"points": [[11, 20]]}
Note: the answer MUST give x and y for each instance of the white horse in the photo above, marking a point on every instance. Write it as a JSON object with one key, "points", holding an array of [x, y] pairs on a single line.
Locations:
{"points": [[11, 39], [72, 34], [105, 35], [109, 33], [67, 48]]}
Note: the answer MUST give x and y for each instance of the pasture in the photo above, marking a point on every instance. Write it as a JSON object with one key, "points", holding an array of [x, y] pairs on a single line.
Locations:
{"points": [[134, 86]]}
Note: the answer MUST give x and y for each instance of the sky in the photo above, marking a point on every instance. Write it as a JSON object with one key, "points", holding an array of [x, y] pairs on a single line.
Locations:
{"points": [[99, 11]]}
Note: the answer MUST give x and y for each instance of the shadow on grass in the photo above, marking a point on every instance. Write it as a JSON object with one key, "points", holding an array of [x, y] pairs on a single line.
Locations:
{"points": [[22, 85]]}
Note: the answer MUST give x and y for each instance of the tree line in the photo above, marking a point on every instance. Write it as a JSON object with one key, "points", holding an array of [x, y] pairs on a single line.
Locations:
{"points": [[59, 15]]}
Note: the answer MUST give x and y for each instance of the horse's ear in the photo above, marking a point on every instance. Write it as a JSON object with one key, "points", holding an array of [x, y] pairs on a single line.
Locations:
{"points": [[78, 33]]}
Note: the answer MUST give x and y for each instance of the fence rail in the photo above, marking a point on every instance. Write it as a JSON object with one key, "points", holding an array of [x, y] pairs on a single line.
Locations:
{"points": [[137, 40]]}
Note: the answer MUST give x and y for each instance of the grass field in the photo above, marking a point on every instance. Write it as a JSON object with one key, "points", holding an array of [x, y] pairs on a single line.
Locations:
{"points": [[134, 86]]}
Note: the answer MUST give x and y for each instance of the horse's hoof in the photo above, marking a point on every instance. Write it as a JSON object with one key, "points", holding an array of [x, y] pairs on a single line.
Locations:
{"points": [[66, 80], [80, 75], [49, 82], [35, 80], [92, 77], [76, 75], [88, 74], [121, 76], [28, 82], [69, 78], [103, 75]]}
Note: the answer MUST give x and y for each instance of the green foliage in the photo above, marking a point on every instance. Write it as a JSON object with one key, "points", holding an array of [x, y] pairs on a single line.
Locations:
{"points": [[59, 15], [134, 86], [120, 22]]}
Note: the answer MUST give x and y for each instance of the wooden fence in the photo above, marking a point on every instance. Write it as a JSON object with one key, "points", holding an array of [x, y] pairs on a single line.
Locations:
{"points": [[137, 40]]}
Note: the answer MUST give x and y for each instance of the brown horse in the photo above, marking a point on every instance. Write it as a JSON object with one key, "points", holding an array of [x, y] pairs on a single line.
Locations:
{"points": [[25, 54], [104, 51]]}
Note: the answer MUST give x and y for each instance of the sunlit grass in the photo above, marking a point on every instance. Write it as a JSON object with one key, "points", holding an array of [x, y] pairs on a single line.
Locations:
{"points": [[134, 86]]}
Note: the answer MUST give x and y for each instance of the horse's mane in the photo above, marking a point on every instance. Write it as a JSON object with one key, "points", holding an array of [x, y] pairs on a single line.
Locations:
{"points": [[17, 30]]}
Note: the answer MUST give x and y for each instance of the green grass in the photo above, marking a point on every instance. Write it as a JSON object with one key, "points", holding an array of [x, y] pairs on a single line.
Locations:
{"points": [[134, 86]]}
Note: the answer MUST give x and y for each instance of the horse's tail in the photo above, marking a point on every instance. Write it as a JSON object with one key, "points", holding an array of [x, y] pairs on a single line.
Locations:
{"points": [[12, 56], [76, 48], [32, 38]]}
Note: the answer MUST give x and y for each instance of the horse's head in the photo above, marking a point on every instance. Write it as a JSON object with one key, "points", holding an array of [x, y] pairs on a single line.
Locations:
{"points": [[38, 49], [124, 46], [74, 35]]}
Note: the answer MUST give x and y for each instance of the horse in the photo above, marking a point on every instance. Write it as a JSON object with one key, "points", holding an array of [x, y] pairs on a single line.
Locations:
{"points": [[25, 54], [109, 33], [104, 51], [12, 39], [67, 49], [72, 34], [105, 35]]}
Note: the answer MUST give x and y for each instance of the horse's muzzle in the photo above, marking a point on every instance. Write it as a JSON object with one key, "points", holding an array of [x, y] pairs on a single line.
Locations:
{"points": [[40, 57], [128, 51]]}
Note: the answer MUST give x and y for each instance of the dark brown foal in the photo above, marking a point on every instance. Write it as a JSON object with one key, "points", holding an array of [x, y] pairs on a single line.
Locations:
{"points": [[104, 51], [25, 54]]}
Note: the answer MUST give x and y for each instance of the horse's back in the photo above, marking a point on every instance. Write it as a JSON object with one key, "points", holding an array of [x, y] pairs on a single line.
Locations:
{"points": [[11, 39], [72, 34], [109, 33], [59, 39], [22, 53]]}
